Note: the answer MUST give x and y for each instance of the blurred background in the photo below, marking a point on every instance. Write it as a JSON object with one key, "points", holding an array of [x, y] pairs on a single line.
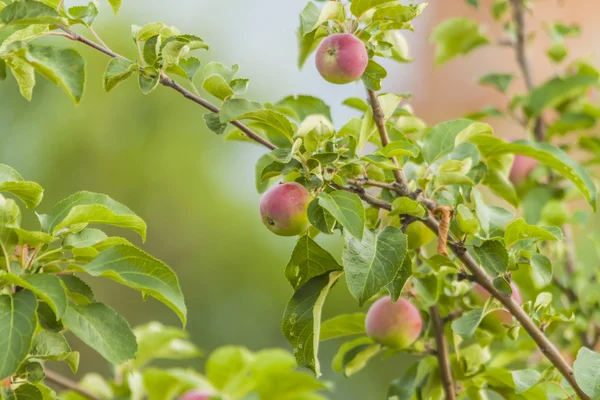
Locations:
{"points": [[196, 191]]}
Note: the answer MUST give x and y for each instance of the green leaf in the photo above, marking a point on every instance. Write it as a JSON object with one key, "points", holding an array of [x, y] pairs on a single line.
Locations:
{"points": [[33, 238], [525, 379], [85, 238], [215, 68], [373, 262], [10, 181], [166, 384], [397, 284], [426, 287], [404, 388], [311, 18], [320, 218], [343, 325], [78, 290], [85, 14], [84, 208], [347, 209], [373, 75], [457, 36], [302, 106], [493, 256], [492, 147], [23, 35], [117, 71], [227, 368], [572, 121], [308, 261], [191, 66], [401, 148], [466, 325], [442, 139], [27, 392], [2, 70], [354, 355], [398, 13], [542, 266], [557, 91], [115, 4], [101, 328], [490, 217], [45, 286], [218, 87], [520, 230], [53, 346], [64, 67], [17, 325], [24, 74], [271, 118], [27, 12], [156, 341], [233, 108], [404, 205], [500, 81], [302, 319], [499, 9], [138, 270], [213, 122], [308, 43], [174, 48], [359, 7], [587, 372], [148, 80], [467, 222]]}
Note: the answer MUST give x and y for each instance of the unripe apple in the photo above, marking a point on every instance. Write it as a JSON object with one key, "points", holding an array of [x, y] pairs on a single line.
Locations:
{"points": [[555, 213], [283, 209], [342, 58], [197, 394], [418, 235], [393, 324], [503, 315], [521, 168]]}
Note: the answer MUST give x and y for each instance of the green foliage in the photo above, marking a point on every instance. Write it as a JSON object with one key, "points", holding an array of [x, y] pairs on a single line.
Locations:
{"points": [[455, 37], [376, 181], [37, 273]]}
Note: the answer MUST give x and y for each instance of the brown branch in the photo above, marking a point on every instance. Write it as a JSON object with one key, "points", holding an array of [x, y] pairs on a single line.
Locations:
{"points": [[545, 346], [168, 82], [442, 353], [520, 45], [68, 384], [379, 118]]}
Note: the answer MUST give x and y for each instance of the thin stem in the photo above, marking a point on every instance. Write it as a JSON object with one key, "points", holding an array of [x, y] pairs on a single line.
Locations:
{"points": [[54, 33], [379, 118], [60, 5], [442, 353], [520, 50], [34, 256], [93, 32], [168, 82], [67, 383]]}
